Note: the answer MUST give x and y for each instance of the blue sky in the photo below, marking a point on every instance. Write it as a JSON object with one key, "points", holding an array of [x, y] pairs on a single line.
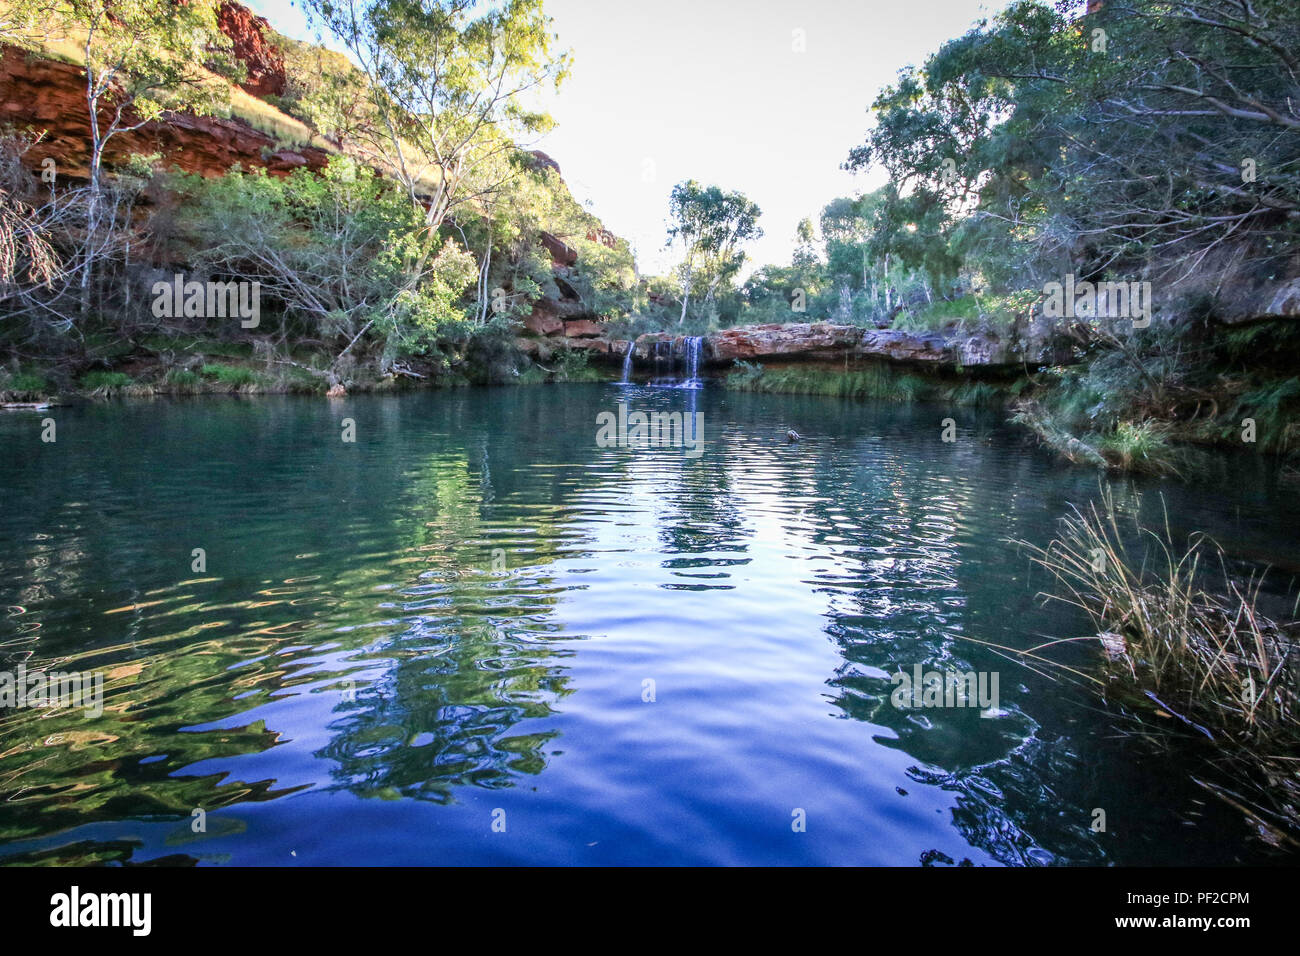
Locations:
{"points": [[719, 91]]}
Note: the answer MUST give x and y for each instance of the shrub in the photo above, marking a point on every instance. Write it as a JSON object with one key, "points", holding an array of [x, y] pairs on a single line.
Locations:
{"points": [[183, 380], [1143, 446], [235, 376], [100, 381], [21, 386]]}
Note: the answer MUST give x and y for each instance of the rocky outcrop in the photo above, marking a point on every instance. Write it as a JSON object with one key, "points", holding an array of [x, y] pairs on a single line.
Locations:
{"points": [[582, 329], [1273, 300], [567, 315], [824, 341], [562, 254], [604, 237], [48, 98], [543, 161], [542, 322], [248, 36], [811, 340]]}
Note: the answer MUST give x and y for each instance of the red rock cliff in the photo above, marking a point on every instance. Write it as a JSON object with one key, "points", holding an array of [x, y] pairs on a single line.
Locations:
{"points": [[248, 34], [49, 97]]}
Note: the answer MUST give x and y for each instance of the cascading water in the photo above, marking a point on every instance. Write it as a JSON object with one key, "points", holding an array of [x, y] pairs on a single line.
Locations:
{"points": [[667, 352], [693, 345], [627, 360]]}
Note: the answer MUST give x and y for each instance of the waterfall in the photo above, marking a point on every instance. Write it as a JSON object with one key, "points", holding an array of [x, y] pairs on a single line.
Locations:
{"points": [[627, 360], [693, 345], [668, 351]]}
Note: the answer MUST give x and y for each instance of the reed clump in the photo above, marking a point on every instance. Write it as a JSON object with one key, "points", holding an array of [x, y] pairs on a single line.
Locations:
{"points": [[1206, 659]]}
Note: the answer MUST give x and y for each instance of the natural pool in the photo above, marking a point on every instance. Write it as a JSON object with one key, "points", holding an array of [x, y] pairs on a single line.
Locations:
{"points": [[454, 622]]}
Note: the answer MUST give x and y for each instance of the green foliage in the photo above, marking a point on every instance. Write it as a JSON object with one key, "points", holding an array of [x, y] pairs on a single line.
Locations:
{"points": [[745, 376], [571, 365], [342, 253], [1037, 127], [1275, 409], [977, 394], [323, 89], [151, 55], [183, 380], [877, 381], [604, 278], [1141, 446], [935, 316], [450, 83], [711, 225], [234, 376], [22, 386], [1134, 397], [102, 381]]}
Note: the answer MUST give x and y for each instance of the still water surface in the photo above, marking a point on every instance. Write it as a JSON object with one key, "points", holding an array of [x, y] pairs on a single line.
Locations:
{"points": [[453, 620]]}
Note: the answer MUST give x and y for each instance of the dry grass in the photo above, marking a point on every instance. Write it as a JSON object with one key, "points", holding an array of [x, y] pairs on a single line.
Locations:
{"points": [[287, 131], [257, 113]]}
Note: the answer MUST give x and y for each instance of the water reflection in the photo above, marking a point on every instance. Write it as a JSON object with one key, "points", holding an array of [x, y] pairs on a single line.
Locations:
{"points": [[469, 599]]}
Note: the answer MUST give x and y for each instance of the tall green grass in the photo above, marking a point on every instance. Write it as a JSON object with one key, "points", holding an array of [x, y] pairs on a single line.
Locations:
{"points": [[1139, 446], [877, 381], [22, 386]]}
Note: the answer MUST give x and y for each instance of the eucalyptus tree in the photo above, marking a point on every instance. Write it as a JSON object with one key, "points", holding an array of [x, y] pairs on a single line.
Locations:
{"points": [[141, 59], [710, 225], [1147, 131], [450, 84], [23, 22]]}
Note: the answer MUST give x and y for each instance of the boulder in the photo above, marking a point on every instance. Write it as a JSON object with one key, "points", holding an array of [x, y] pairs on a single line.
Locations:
{"points": [[1271, 300], [542, 322], [811, 340], [582, 329], [562, 254]]}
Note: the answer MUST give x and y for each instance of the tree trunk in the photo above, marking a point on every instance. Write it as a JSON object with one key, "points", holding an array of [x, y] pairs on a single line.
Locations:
{"points": [[686, 295]]}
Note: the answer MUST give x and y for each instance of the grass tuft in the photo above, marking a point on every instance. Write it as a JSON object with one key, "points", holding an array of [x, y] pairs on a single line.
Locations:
{"points": [[1209, 661]]}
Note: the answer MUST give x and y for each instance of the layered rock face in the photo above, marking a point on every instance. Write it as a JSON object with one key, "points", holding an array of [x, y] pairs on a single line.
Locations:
{"points": [[1034, 343], [565, 322], [248, 35], [810, 340], [48, 98], [822, 341]]}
